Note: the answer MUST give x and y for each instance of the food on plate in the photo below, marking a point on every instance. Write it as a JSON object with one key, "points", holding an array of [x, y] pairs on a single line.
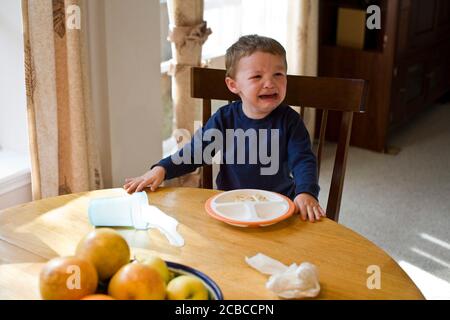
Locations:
{"points": [[246, 197]]}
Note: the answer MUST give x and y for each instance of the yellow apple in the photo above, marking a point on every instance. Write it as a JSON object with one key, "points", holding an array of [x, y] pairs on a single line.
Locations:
{"points": [[186, 287], [156, 263]]}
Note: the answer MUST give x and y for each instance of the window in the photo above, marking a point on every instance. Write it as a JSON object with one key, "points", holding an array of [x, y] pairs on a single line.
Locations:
{"points": [[263, 17], [14, 157]]}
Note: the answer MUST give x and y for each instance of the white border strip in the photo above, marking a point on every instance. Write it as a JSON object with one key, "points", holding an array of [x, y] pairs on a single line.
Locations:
{"points": [[15, 181]]}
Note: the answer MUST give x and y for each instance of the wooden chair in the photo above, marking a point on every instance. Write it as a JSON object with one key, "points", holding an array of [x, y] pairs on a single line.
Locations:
{"points": [[344, 95]]}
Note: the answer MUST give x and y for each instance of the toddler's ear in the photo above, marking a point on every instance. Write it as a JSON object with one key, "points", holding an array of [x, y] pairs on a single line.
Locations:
{"points": [[231, 84]]}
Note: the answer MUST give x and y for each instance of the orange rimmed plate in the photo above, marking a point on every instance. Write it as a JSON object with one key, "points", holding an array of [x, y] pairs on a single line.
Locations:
{"points": [[250, 207]]}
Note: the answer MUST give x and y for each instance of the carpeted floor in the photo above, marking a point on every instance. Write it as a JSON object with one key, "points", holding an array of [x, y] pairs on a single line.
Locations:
{"points": [[402, 202]]}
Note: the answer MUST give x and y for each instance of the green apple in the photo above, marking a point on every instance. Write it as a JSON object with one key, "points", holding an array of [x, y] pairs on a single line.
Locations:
{"points": [[186, 287], [158, 264]]}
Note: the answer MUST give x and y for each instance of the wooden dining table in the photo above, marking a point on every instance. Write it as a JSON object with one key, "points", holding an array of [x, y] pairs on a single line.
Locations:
{"points": [[34, 232]]}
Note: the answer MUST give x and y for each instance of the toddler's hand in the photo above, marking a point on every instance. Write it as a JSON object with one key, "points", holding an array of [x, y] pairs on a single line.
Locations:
{"points": [[152, 178], [309, 207]]}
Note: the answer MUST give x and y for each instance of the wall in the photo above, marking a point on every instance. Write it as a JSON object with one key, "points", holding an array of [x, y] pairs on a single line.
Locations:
{"points": [[124, 50]]}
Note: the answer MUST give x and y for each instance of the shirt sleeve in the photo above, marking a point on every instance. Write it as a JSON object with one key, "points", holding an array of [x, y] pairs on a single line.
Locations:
{"points": [[301, 159], [190, 156]]}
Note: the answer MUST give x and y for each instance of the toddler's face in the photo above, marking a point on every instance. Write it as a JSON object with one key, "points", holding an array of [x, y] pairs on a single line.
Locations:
{"points": [[260, 81]]}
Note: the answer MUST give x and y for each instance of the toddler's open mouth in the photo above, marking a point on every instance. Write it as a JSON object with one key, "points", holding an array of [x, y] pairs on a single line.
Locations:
{"points": [[268, 96]]}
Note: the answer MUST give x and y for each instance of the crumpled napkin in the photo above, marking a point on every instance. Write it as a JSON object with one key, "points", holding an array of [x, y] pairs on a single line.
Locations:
{"points": [[295, 281]]}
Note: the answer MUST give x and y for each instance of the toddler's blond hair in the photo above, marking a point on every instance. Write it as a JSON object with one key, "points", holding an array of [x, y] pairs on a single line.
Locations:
{"points": [[247, 45]]}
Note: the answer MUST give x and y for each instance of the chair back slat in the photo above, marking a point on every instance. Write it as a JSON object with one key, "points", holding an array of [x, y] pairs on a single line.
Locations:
{"points": [[207, 173], [340, 161], [210, 84], [326, 93], [302, 113], [318, 92], [344, 95], [207, 177], [206, 110], [323, 126]]}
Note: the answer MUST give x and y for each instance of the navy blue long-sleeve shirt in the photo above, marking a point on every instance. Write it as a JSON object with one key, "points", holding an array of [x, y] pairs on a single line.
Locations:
{"points": [[273, 153]]}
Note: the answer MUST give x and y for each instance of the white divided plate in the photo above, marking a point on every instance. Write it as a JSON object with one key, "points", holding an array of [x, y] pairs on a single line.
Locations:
{"points": [[250, 207]]}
